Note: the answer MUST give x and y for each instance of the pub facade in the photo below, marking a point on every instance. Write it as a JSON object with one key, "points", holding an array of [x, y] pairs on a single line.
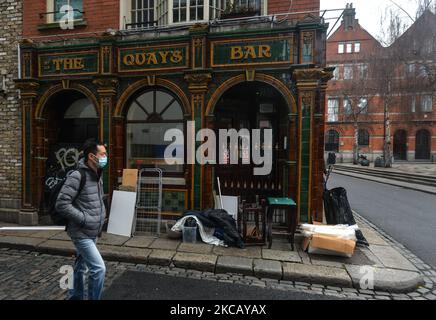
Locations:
{"points": [[127, 88]]}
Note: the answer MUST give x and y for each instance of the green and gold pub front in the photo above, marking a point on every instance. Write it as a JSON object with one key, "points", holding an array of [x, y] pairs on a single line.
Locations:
{"points": [[128, 89]]}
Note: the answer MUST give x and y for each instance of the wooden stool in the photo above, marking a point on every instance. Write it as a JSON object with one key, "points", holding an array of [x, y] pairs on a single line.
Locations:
{"points": [[257, 236], [282, 203]]}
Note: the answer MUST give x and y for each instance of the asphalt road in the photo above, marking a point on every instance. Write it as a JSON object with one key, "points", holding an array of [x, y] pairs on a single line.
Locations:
{"points": [[133, 285], [408, 216]]}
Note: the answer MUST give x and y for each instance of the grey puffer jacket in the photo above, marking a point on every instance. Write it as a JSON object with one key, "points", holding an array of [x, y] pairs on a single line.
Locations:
{"points": [[87, 215]]}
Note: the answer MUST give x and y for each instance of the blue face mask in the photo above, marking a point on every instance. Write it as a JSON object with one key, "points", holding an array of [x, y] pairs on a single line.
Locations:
{"points": [[101, 162]]}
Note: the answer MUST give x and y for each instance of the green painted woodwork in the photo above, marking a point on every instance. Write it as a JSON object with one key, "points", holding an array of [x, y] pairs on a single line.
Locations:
{"points": [[305, 164], [248, 51], [68, 64], [153, 58]]}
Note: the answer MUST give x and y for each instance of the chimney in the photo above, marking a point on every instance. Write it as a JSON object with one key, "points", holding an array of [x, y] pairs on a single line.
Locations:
{"points": [[349, 17]]}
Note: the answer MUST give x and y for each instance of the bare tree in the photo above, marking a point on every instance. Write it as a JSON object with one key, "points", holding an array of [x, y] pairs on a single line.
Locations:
{"points": [[358, 95], [405, 67]]}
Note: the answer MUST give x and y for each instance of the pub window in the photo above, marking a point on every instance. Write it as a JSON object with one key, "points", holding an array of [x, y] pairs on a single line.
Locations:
{"points": [[196, 10], [253, 6], [363, 137], [143, 13], [148, 13], [349, 47], [56, 7], [180, 9], [149, 116], [341, 48], [216, 7], [162, 12]]}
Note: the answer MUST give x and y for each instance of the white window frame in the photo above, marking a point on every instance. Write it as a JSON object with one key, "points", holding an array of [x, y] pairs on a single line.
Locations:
{"points": [[363, 71], [50, 8], [411, 68], [413, 105], [332, 110], [166, 16], [425, 106], [349, 47], [357, 47], [363, 110], [348, 111], [216, 5], [348, 75], [341, 48], [336, 74]]}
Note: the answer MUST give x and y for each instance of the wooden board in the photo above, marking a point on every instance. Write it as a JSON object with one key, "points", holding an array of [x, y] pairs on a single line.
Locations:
{"points": [[122, 213], [130, 177]]}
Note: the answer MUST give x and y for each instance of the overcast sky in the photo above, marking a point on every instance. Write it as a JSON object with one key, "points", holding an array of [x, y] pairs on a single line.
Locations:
{"points": [[369, 11]]}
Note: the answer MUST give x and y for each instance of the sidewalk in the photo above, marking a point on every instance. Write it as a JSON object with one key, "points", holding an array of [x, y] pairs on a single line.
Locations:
{"points": [[425, 170], [393, 272]]}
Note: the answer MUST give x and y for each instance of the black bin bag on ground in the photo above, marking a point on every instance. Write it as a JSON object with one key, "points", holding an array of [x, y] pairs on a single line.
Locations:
{"points": [[218, 218], [338, 211]]}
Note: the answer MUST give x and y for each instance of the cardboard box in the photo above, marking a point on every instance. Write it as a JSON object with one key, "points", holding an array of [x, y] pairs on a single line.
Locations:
{"points": [[130, 177], [322, 244]]}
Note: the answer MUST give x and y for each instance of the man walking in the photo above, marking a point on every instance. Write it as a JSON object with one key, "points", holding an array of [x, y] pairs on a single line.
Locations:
{"points": [[86, 213]]}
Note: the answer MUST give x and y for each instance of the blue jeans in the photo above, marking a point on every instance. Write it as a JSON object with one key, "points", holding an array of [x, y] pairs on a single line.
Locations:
{"points": [[88, 257]]}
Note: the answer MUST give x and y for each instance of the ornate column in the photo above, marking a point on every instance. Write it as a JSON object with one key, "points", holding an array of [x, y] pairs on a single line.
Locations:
{"points": [[107, 90], [28, 214], [311, 86], [309, 169], [198, 86], [319, 144]]}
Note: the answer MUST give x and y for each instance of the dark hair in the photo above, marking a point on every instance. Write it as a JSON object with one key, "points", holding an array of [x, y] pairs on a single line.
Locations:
{"points": [[90, 146]]}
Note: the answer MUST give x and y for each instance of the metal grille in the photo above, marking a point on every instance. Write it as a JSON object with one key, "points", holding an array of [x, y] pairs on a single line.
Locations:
{"points": [[149, 202]]}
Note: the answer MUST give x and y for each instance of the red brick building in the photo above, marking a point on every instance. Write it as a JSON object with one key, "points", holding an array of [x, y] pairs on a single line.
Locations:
{"points": [[129, 70], [412, 113]]}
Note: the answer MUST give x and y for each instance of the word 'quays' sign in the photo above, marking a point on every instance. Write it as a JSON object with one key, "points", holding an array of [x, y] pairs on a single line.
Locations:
{"points": [[72, 63], [252, 52], [152, 58]]}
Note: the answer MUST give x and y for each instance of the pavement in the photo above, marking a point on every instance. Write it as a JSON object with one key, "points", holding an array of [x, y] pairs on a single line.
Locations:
{"points": [[403, 168], [391, 266], [406, 215]]}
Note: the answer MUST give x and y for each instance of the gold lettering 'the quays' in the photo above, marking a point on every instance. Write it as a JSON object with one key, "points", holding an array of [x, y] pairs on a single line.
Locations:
{"points": [[69, 64], [153, 58], [253, 52]]}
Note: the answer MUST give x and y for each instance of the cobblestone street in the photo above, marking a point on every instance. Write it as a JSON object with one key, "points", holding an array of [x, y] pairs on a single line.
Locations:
{"points": [[28, 275]]}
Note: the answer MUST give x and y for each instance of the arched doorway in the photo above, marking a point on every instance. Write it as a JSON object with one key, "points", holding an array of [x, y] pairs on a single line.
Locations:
{"points": [[332, 141], [68, 118], [423, 145], [253, 105], [400, 145]]}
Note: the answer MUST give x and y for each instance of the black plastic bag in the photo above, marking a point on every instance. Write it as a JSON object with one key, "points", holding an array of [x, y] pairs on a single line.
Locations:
{"points": [[338, 211]]}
